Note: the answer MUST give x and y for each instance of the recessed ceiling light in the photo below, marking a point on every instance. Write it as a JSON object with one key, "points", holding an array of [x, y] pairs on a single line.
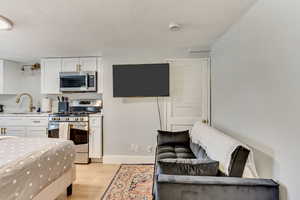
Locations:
{"points": [[5, 24]]}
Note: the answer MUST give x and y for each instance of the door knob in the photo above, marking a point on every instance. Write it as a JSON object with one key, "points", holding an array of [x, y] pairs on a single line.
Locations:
{"points": [[205, 121]]}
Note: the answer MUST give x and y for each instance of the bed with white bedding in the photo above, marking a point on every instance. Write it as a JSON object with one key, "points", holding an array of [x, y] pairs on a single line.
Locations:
{"points": [[31, 167]]}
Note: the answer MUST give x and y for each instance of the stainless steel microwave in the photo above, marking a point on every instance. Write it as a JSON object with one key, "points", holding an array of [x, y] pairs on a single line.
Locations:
{"points": [[78, 81]]}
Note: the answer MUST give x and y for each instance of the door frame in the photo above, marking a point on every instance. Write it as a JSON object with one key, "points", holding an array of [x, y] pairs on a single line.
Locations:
{"points": [[166, 102]]}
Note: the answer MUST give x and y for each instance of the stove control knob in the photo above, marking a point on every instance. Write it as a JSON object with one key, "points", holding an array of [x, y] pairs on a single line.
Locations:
{"points": [[67, 119], [76, 119], [81, 119]]}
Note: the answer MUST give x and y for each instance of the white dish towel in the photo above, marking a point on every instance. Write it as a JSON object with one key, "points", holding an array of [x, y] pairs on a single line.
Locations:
{"points": [[220, 147], [64, 130]]}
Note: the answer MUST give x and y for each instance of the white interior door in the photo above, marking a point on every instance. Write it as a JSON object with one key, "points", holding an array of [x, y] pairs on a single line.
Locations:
{"points": [[189, 99]]}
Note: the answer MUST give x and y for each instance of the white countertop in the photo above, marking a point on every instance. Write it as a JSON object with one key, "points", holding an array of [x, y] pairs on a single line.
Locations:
{"points": [[96, 115], [34, 114]]}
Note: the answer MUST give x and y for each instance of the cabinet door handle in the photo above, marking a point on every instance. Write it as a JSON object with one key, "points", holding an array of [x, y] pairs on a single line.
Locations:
{"points": [[36, 121], [78, 68], [205, 121]]}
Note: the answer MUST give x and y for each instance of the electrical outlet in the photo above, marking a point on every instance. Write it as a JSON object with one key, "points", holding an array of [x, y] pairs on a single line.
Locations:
{"points": [[132, 147], [149, 149]]}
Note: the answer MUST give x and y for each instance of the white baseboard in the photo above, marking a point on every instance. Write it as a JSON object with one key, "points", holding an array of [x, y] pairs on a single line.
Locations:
{"points": [[126, 159]]}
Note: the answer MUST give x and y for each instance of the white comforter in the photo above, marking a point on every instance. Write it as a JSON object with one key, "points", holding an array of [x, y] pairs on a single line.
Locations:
{"points": [[28, 165], [220, 147]]}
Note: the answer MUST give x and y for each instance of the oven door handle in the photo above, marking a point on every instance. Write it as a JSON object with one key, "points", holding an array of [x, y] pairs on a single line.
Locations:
{"points": [[80, 129]]}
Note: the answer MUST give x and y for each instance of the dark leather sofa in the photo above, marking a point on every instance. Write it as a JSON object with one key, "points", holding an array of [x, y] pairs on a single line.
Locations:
{"points": [[183, 171]]}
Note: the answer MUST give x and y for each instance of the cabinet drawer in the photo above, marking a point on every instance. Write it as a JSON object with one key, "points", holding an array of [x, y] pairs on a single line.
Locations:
{"points": [[37, 132], [38, 121], [15, 131], [2, 121], [12, 121], [24, 121]]}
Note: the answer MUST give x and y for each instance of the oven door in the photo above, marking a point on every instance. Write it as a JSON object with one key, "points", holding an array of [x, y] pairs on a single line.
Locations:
{"points": [[79, 134], [53, 130], [73, 82]]}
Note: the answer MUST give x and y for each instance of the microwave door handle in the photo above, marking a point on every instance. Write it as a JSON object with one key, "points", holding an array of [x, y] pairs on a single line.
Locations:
{"points": [[86, 81]]}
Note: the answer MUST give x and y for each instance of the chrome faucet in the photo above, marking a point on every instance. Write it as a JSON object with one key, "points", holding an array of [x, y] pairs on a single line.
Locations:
{"points": [[31, 107]]}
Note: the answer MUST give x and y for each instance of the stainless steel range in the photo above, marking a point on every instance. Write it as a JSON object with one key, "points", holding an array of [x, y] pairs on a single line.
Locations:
{"points": [[78, 121]]}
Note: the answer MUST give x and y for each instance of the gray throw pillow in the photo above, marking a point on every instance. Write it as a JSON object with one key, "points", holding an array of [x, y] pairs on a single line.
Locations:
{"points": [[238, 161], [189, 167], [168, 137]]}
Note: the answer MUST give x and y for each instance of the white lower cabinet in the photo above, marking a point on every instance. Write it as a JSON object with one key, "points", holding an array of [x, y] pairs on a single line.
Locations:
{"points": [[40, 132], [95, 138], [24, 126], [15, 131]]}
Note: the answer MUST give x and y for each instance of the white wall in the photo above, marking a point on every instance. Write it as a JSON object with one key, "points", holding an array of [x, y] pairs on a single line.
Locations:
{"points": [[256, 88], [132, 120], [128, 120], [30, 82]]}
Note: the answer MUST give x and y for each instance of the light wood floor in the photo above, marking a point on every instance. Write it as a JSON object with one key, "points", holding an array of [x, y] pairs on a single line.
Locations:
{"points": [[92, 181]]}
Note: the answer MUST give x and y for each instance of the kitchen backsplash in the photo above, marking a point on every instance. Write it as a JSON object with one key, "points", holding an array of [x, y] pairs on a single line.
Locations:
{"points": [[73, 96], [31, 83], [10, 105]]}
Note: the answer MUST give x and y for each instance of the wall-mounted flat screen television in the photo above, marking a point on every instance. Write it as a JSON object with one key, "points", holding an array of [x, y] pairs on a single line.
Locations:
{"points": [[141, 80]]}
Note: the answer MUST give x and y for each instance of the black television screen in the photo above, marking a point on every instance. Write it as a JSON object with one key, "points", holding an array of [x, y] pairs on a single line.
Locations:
{"points": [[143, 80]]}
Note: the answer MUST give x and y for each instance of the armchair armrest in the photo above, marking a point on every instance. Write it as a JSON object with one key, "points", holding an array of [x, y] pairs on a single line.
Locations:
{"points": [[170, 187], [216, 180]]}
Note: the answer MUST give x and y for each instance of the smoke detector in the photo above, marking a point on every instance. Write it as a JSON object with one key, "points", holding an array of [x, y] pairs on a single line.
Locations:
{"points": [[174, 26], [5, 24]]}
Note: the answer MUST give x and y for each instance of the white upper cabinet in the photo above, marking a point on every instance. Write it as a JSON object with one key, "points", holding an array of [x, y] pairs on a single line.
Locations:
{"points": [[10, 73], [70, 64], [79, 64], [88, 64], [50, 69]]}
